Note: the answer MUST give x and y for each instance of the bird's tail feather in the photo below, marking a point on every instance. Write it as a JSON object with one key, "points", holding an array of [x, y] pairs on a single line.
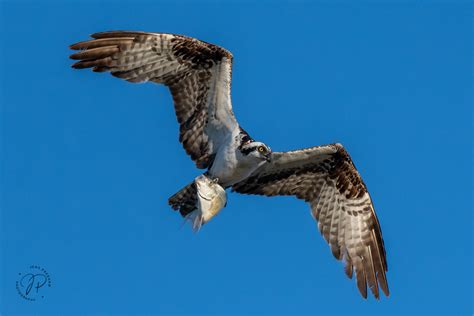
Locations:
{"points": [[185, 200]]}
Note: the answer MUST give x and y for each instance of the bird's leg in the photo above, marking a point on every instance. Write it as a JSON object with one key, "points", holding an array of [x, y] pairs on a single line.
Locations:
{"points": [[213, 180]]}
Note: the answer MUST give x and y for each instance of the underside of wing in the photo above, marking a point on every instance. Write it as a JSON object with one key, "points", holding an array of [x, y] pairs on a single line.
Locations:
{"points": [[327, 179], [197, 73]]}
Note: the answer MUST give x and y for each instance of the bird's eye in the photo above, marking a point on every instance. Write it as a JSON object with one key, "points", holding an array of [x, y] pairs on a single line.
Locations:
{"points": [[261, 149]]}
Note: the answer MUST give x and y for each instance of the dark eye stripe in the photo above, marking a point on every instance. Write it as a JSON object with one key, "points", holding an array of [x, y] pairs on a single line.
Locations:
{"points": [[247, 151]]}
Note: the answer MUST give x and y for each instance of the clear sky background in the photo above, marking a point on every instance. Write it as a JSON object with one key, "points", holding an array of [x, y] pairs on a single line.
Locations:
{"points": [[88, 161]]}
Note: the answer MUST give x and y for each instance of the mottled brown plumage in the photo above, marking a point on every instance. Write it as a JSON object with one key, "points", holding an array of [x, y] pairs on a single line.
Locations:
{"points": [[191, 68], [198, 75], [325, 177]]}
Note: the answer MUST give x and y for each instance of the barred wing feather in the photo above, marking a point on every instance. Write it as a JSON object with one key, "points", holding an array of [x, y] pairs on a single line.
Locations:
{"points": [[197, 73], [326, 178]]}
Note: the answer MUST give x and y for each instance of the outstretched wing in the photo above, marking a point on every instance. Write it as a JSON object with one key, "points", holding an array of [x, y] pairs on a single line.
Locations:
{"points": [[326, 178], [197, 73]]}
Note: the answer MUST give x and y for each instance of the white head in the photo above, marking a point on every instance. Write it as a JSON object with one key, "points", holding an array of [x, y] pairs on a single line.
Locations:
{"points": [[256, 150]]}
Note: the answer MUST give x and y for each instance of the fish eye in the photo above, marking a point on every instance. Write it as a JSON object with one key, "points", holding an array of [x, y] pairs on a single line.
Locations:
{"points": [[261, 149]]}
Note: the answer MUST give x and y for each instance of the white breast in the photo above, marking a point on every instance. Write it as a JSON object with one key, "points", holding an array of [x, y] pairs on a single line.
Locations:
{"points": [[231, 166]]}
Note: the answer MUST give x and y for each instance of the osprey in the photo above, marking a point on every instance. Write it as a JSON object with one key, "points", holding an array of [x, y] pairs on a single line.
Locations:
{"points": [[198, 75]]}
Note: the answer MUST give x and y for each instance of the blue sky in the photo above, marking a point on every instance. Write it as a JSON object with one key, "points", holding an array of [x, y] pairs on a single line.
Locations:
{"points": [[88, 161]]}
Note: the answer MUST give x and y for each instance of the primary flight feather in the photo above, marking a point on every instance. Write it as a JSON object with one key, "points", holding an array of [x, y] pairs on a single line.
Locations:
{"points": [[198, 75]]}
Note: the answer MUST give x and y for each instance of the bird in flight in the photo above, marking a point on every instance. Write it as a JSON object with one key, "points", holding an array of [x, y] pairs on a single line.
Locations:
{"points": [[198, 75]]}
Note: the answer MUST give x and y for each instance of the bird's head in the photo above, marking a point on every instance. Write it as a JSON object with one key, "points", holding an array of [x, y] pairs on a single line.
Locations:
{"points": [[257, 150]]}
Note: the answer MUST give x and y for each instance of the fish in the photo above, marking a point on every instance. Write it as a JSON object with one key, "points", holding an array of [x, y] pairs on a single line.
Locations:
{"points": [[211, 199]]}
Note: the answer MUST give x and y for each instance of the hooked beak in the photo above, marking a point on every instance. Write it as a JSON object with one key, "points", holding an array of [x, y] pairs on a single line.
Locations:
{"points": [[268, 157]]}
